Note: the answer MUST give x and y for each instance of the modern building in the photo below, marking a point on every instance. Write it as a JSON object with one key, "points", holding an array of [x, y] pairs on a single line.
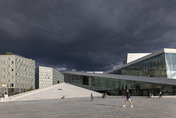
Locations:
{"points": [[150, 73], [47, 76], [17, 73], [160, 64]]}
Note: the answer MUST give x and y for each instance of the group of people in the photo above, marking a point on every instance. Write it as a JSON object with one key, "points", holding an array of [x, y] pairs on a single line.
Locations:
{"points": [[127, 97]]}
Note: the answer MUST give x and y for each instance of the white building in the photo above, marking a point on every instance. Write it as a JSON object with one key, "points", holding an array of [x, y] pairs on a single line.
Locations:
{"points": [[17, 73], [98, 72], [47, 76], [133, 56]]}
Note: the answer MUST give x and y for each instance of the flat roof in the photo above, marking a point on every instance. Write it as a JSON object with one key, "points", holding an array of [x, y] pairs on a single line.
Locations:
{"points": [[166, 50], [16, 55], [154, 80]]}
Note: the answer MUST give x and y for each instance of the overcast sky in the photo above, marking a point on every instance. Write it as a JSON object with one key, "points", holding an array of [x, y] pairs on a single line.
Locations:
{"points": [[85, 34]]}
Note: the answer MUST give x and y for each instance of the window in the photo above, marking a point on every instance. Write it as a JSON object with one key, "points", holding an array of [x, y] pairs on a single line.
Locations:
{"points": [[11, 85]]}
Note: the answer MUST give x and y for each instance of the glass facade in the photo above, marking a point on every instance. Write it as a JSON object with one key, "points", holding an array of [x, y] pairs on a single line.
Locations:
{"points": [[117, 86], [151, 67], [161, 64], [171, 65]]}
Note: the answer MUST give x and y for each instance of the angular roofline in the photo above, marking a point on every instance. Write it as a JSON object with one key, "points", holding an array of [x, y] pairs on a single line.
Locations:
{"points": [[137, 53], [153, 80], [167, 50]]}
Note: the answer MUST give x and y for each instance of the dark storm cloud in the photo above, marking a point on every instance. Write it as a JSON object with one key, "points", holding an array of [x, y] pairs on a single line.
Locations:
{"points": [[85, 34]]}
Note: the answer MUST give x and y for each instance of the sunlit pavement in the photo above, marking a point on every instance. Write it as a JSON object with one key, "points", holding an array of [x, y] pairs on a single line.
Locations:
{"points": [[110, 107]]}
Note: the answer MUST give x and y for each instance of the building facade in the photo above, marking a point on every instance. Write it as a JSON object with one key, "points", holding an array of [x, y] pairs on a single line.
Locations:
{"points": [[160, 64], [17, 73], [117, 84], [151, 73], [47, 76]]}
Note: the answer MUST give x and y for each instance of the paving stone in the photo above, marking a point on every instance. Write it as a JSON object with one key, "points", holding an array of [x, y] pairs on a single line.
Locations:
{"points": [[53, 92], [110, 107]]}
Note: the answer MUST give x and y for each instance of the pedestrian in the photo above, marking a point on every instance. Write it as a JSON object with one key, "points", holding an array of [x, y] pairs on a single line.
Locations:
{"points": [[92, 97], [103, 95], [128, 99], [123, 95], [160, 95]]}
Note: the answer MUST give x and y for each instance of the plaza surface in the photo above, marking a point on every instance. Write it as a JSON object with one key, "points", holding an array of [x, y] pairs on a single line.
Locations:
{"points": [[53, 92], [110, 107]]}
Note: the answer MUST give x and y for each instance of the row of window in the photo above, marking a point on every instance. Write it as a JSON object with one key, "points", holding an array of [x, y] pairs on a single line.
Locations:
{"points": [[18, 74], [7, 62], [11, 85], [17, 61], [45, 74], [45, 82], [45, 70], [19, 81], [18, 68], [46, 77]]}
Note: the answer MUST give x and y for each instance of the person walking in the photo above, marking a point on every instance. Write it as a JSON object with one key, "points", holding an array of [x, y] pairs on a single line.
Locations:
{"points": [[103, 95], [92, 97], [128, 99], [160, 95]]}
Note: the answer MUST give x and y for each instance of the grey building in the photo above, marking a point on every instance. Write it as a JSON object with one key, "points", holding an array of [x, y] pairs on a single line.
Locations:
{"points": [[17, 73], [47, 76]]}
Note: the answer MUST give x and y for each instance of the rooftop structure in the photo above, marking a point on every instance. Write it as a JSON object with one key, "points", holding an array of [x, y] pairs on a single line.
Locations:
{"points": [[98, 72], [133, 56]]}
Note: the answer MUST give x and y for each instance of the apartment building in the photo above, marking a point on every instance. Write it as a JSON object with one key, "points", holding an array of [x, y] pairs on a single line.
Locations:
{"points": [[47, 76], [17, 73]]}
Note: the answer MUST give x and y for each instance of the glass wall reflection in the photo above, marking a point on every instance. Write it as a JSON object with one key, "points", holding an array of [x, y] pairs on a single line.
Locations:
{"points": [[117, 87], [152, 67], [171, 65]]}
